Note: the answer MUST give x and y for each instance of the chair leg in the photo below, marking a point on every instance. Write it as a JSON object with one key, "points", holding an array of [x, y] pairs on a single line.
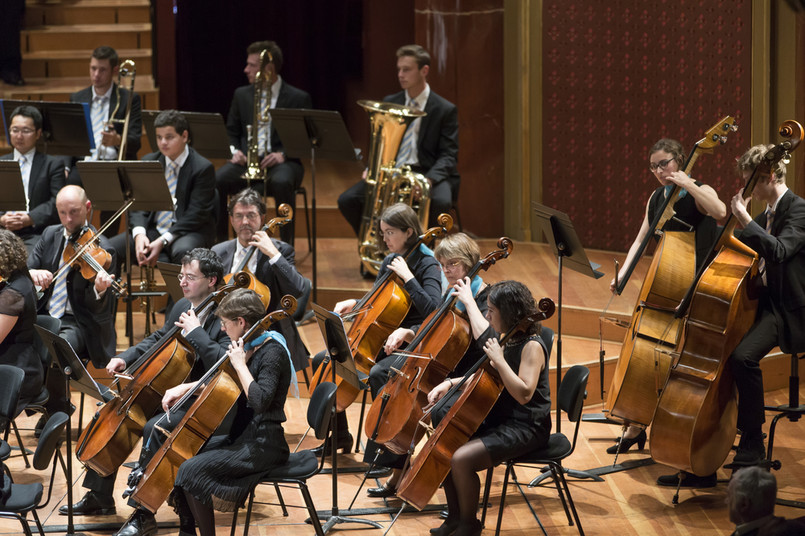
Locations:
{"points": [[282, 501], [38, 523], [248, 514], [555, 472], [20, 443], [234, 521], [561, 474], [307, 379], [311, 509], [527, 502], [487, 486], [503, 498]]}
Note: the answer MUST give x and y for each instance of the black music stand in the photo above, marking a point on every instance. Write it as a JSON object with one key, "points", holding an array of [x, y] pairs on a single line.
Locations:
{"points": [[124, 186], [207, 133], [13, 197], [313, 133], [337, 343], [66, 126]]}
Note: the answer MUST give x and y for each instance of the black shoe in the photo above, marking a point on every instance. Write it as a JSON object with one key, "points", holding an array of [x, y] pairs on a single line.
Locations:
{"points": [[382, 492], [344, 444], [472, 529], [689, 480], [446, 529], [379, 472], [750, 451], [141, 523], [92, 504], [13, 79], [627, 443]]}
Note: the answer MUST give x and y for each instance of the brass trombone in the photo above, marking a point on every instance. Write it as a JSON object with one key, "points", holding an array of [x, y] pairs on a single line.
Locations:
{"points": [[262, 82], [129, 69]]}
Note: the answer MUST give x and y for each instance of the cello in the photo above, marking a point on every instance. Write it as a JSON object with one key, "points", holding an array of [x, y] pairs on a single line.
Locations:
{"points": [[437, 348], [217, 390], [376, 315], [116, 427], [481, 388], [695, 421], [642, 368]]}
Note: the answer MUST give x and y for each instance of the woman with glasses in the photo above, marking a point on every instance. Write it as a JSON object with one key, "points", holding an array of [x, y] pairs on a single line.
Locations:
{"points": [[697, 211]]}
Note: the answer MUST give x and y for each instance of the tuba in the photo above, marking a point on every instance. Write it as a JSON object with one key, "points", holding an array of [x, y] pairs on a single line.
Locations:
{"points": [[386, 183], [127, 68], [260, 115]]}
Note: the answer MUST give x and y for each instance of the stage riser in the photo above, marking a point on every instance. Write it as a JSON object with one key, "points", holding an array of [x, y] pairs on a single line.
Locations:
{"points": [[76, 64], [87, 13], [87, 37]]}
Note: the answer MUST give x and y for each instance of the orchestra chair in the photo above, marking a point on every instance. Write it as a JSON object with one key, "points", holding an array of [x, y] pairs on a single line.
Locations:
{"points": [[11, 378], [570, 398], [26, 498], [301, 465]]}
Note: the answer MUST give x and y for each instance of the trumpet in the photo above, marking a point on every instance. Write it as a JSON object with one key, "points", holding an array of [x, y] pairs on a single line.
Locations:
{"points": [[262, 83], [127, 69]]}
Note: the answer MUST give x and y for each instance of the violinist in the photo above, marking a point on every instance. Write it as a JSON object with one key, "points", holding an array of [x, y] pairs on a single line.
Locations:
{"points": [[422, 281], [84, 306], [273, 264], [457, 254], [222, 475], [520, 420], [696, 212], [201, 274], [17, 317]]}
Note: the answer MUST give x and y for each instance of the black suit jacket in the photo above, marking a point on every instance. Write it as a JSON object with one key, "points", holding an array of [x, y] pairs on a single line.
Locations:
{"points": [[209, 342], [195, 198], [135, 132], [437, 145], [95, 317], [241, 113], [282, 278], [47, 178], [785, 266]]}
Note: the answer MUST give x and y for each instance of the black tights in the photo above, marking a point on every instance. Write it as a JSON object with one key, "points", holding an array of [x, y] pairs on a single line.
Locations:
{"points": [[203, 515], [462, 486]]}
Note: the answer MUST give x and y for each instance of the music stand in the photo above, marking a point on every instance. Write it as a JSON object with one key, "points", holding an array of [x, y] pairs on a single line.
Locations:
{"points": [[337, 344], [207, 133], [313, 133], [13, 197], [170, 273], [66, 126], [124, 186]]}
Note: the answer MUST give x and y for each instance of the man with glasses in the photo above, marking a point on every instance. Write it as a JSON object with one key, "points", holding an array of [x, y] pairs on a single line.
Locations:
{"points": [[273, 264], [202, 273], [42, 178]]}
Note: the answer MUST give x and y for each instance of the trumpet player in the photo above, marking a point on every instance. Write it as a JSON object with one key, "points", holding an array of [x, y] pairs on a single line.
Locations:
{"points": [[430, 144], [283, 175]]}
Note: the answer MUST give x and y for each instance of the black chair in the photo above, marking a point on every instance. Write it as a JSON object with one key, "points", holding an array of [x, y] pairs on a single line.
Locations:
{"points": [[10, 382], [301, 465], [26, 498], [572, 392]]}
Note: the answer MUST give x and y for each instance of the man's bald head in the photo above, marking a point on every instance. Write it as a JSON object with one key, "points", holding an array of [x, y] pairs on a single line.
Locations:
{"points": [[73, 207]]}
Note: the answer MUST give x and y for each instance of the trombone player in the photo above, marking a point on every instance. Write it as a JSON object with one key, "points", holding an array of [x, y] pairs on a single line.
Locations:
{"points": [[282, 175]]}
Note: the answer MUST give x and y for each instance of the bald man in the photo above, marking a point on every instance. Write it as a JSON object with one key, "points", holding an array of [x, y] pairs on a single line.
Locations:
{"points": [[87, 313]]}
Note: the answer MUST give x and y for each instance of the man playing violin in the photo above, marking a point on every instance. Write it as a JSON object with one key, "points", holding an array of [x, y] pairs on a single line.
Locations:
{"points": [[200, 276], [273, 264], [84, 306]]}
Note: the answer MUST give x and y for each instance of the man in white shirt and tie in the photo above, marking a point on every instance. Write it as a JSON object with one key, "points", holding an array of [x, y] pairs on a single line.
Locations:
{"points": [[42, 177]]}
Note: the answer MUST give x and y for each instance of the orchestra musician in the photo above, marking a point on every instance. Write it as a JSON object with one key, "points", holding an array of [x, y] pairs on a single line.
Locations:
{"points": [[457, 255], [201, 274], [696, 212], [422, 281], [222, 476], [520, 420], [273, 264], [283, 175], [83, 306]]}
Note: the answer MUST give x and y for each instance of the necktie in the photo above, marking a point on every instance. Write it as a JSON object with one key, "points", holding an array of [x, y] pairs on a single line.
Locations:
{"points": [[408, 145], [58, 300], [761, 265], [165, 217], [239, 253], [98, 121]]}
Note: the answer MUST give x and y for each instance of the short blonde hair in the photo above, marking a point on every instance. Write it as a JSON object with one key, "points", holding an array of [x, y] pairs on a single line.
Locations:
{"points": [[458, 246], [752, 158]]}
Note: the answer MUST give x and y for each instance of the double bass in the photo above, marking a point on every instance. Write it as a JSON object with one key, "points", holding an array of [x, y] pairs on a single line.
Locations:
{"points": [[217, 390], [643, 364], [436, 349], [481, 387], [695, 421]]}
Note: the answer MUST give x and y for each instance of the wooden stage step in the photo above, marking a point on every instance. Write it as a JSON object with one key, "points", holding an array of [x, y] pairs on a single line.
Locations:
{"points": [[87, 36], [52, 12], [75, 63]]}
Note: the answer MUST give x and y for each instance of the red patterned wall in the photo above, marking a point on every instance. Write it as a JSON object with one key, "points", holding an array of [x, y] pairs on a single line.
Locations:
{"points": [[618, 76]]}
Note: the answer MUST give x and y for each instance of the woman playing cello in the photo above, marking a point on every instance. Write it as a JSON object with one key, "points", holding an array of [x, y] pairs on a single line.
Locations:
{"points": [[422, 281], [696, 212], [520, 420], [221, 477]]}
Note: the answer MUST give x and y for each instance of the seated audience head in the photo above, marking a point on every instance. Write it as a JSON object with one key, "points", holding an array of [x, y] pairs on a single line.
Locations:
{"points": [[400, 227], [13, 255], [202, 272], [458, 254], [751, 494], [73, 208], [171, 133], [247, 214], [26, 128], [239, 311]]}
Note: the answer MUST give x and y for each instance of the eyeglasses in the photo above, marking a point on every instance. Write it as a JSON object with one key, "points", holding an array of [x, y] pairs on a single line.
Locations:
{"points": [[24, 131], [662, 164], [188, 278], [238, 216], [449, 264]]}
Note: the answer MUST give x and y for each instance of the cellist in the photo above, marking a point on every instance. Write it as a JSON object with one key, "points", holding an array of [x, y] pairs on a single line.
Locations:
{"points": [[696, 212], [201, 274], [422, 280], [520, 420]]}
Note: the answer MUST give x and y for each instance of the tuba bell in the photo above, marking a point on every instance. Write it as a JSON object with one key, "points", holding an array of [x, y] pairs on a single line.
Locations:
{"points": [[262, 83], [386, 183]]}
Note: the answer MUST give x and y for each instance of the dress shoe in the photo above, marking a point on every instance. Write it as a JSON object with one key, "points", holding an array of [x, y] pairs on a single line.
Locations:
{"points": [[445, 529], [382, 492], [92, 504], [627, 443], [689, 480], [750, 451], [13, 79], [344, 444], [141, 523], [469, 529], [378, 471]]}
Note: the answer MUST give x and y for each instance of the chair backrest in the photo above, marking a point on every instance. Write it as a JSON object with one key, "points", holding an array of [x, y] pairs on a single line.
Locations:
{"points": [[547, 336], [49, 440], [572, 391], [320, 409], [301, 301], [10, 382]]}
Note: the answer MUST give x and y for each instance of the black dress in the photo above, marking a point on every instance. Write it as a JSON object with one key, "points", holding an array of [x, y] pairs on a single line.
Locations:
{"points": [[17, 298], [222, 477]]}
